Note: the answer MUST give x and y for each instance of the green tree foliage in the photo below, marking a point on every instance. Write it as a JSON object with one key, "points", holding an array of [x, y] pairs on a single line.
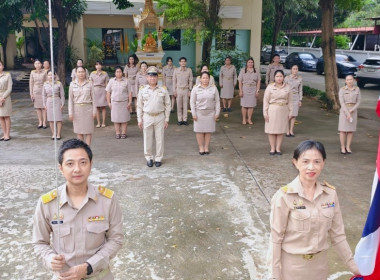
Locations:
{"points": [[199, 18], [371, 8], [11, 19]]}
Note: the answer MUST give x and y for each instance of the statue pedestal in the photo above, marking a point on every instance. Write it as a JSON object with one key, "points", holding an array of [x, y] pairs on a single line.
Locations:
{"points": [[153, 59]]}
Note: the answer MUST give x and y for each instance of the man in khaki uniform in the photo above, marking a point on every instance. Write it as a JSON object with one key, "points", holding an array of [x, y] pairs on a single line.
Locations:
{"points": [[84, 221], [182, 85], [153, 111]]}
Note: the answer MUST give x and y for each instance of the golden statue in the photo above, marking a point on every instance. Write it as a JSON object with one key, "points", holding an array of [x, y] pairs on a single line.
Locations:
{"points": [[150, 44]]}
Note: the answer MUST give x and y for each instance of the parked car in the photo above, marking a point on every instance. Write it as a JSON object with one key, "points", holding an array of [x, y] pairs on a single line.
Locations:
{"points": [[266, 52], [368, 72], [304, 60], [345, 64]]}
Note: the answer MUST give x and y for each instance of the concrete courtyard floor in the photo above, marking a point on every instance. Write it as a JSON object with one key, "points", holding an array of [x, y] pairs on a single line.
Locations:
{"points": [[196, 217]]}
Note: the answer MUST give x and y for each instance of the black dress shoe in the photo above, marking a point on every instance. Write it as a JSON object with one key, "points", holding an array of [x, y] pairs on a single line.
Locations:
{"points": [[40, 126], [201, 153], [207, 153], [185, 123], [179, 123], [44, 127], [157, 163], [149, 163], [278, 153], [272, 153]]}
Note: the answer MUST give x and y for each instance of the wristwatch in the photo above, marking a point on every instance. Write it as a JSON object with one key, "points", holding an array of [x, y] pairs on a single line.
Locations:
{"points": [[89, 268]]}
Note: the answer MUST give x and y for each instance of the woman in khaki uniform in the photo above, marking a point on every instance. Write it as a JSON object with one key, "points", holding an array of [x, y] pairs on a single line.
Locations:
{"points": [[304, 215], [249, 86], [277, 110], [141, 77], [5, 103], [205, 108], [272, 68], [119, 100], [130, 72], [227, 82], [82, 109], [99, 80], [54, 107], [167, 79], [295, 83], [36, 81], [74, 71], [349, 98]]}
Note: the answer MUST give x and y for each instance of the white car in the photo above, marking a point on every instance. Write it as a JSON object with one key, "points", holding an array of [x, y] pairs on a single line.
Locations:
{"points": [[368, 72]]}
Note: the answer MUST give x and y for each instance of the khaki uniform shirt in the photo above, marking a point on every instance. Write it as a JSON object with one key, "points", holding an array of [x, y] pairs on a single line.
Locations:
{"points": [[5, 84], [295, 84], [47, 92], [36, 81], [92, 234], [81, 94], [118, 89], [131, 72], [204, 99], [168, 72], [74, 74], [300, 226], [182, 78], [141, 80], [351, 97], [279, 96], [269, 77], [99, 79], [153, 101], [227, 73]]}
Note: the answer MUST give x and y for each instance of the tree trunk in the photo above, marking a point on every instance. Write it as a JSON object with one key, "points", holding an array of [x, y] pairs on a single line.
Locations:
{"points": [[4, 44], [279, 16], [206, 51], [212, 23], [61, 56], [40, 42], [328, 48]]}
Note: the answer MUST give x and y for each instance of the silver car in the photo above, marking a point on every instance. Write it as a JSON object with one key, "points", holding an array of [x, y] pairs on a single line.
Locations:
{"points": [[368, 72]]}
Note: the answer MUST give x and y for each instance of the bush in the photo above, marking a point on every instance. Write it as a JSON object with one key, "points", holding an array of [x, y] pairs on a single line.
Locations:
{"points": [[239, 59], [320, 95]]}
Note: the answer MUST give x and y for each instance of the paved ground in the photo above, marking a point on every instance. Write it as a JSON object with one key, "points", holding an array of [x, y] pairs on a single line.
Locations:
{"points": [[196, 217]]}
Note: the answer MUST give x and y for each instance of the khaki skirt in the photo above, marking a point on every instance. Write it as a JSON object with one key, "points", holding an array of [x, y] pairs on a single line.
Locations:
{"points": [[278, 119], [100, 97], [57, 110], [83, 122], [169, 85], [295, 267], [131, 87], [295, 102], [38, 102], [344, 124], [120, 112], [6, 109], [205, 122], [249, 99]]}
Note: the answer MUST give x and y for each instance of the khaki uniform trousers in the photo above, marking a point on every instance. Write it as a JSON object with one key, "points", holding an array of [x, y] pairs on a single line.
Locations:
{"points": [[154, 126], [295, 267], [182, 103]]}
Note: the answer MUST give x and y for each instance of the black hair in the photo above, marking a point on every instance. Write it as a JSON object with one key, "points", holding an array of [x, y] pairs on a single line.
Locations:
{"points": [[76, 69], [134, 60], [277, 71], [118, 67], [99, 62], [308, 145], [36, 59], [228, 57], [169, 58], [80, 60], [204, 72], [254, 69], [73, 144], [182, 57], [47, 60], [144, 62], [295, 64]]}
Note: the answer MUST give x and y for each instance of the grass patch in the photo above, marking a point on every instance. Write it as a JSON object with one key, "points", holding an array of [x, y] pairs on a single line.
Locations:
{"points": [[319, 95]]}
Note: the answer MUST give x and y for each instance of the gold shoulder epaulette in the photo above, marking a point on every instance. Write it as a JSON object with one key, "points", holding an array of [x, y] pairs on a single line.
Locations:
{"points": [[104, 72], [33, 70], [141, 87], [328, 185], [50, 196], [285, 189], [105, 192], [93, 72], [164, 87]]}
